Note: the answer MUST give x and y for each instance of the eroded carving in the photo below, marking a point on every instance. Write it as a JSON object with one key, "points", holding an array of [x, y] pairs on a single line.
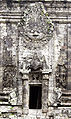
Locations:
{"points": [[57, 96], [36, 63], [61, 76], [9, 74], [13, 97], [7, 50], [36, 75]]}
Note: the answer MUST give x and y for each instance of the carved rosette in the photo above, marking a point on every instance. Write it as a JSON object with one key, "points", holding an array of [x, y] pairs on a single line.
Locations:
{"points": [[35, 27]]}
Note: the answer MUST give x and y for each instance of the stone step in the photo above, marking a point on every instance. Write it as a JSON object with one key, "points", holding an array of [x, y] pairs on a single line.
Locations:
{"points": [[66, 97], [3, 94], [66, 104], [66, 91], [66, 94], [4, 97]]}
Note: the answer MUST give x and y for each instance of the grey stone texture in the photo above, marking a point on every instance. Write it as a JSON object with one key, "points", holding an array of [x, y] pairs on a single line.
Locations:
{"points": [[35, 50]]}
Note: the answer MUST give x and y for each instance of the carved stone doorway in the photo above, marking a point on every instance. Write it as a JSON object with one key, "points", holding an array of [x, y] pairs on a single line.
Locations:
{"points": [[35, 91]]}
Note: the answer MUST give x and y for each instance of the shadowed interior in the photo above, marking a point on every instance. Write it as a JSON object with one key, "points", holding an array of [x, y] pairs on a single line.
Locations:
{"points": [[35, 97]]}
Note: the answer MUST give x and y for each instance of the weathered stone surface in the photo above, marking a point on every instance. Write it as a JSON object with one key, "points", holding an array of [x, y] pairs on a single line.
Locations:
{"points": [[35, 48], [9, 76]]}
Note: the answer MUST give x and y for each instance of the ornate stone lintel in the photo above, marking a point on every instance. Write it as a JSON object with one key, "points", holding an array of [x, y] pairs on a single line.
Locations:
{"points": [[45, 74]]}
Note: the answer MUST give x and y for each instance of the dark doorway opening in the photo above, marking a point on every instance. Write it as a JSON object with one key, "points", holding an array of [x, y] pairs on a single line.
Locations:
{"points": [[35, 97]]}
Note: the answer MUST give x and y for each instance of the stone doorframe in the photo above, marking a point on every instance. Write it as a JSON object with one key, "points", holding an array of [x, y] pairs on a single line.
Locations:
{"points": [[45, 87]]}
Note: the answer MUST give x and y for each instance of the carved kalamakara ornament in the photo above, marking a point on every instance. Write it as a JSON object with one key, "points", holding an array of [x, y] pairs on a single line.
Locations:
{"points": [[35, 25]]}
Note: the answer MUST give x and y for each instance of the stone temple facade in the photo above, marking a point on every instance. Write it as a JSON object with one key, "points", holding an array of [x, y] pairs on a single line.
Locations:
{"points": [[35, 59]]}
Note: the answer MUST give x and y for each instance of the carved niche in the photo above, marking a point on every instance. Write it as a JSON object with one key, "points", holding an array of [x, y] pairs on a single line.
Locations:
{"points": [[61, 70], [7, 50], [35, 27], [61, 76], [8, 76]]}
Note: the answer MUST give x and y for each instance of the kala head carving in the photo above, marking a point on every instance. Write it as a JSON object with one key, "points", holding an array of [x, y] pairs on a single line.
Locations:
{"points": [[35, 22]]}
